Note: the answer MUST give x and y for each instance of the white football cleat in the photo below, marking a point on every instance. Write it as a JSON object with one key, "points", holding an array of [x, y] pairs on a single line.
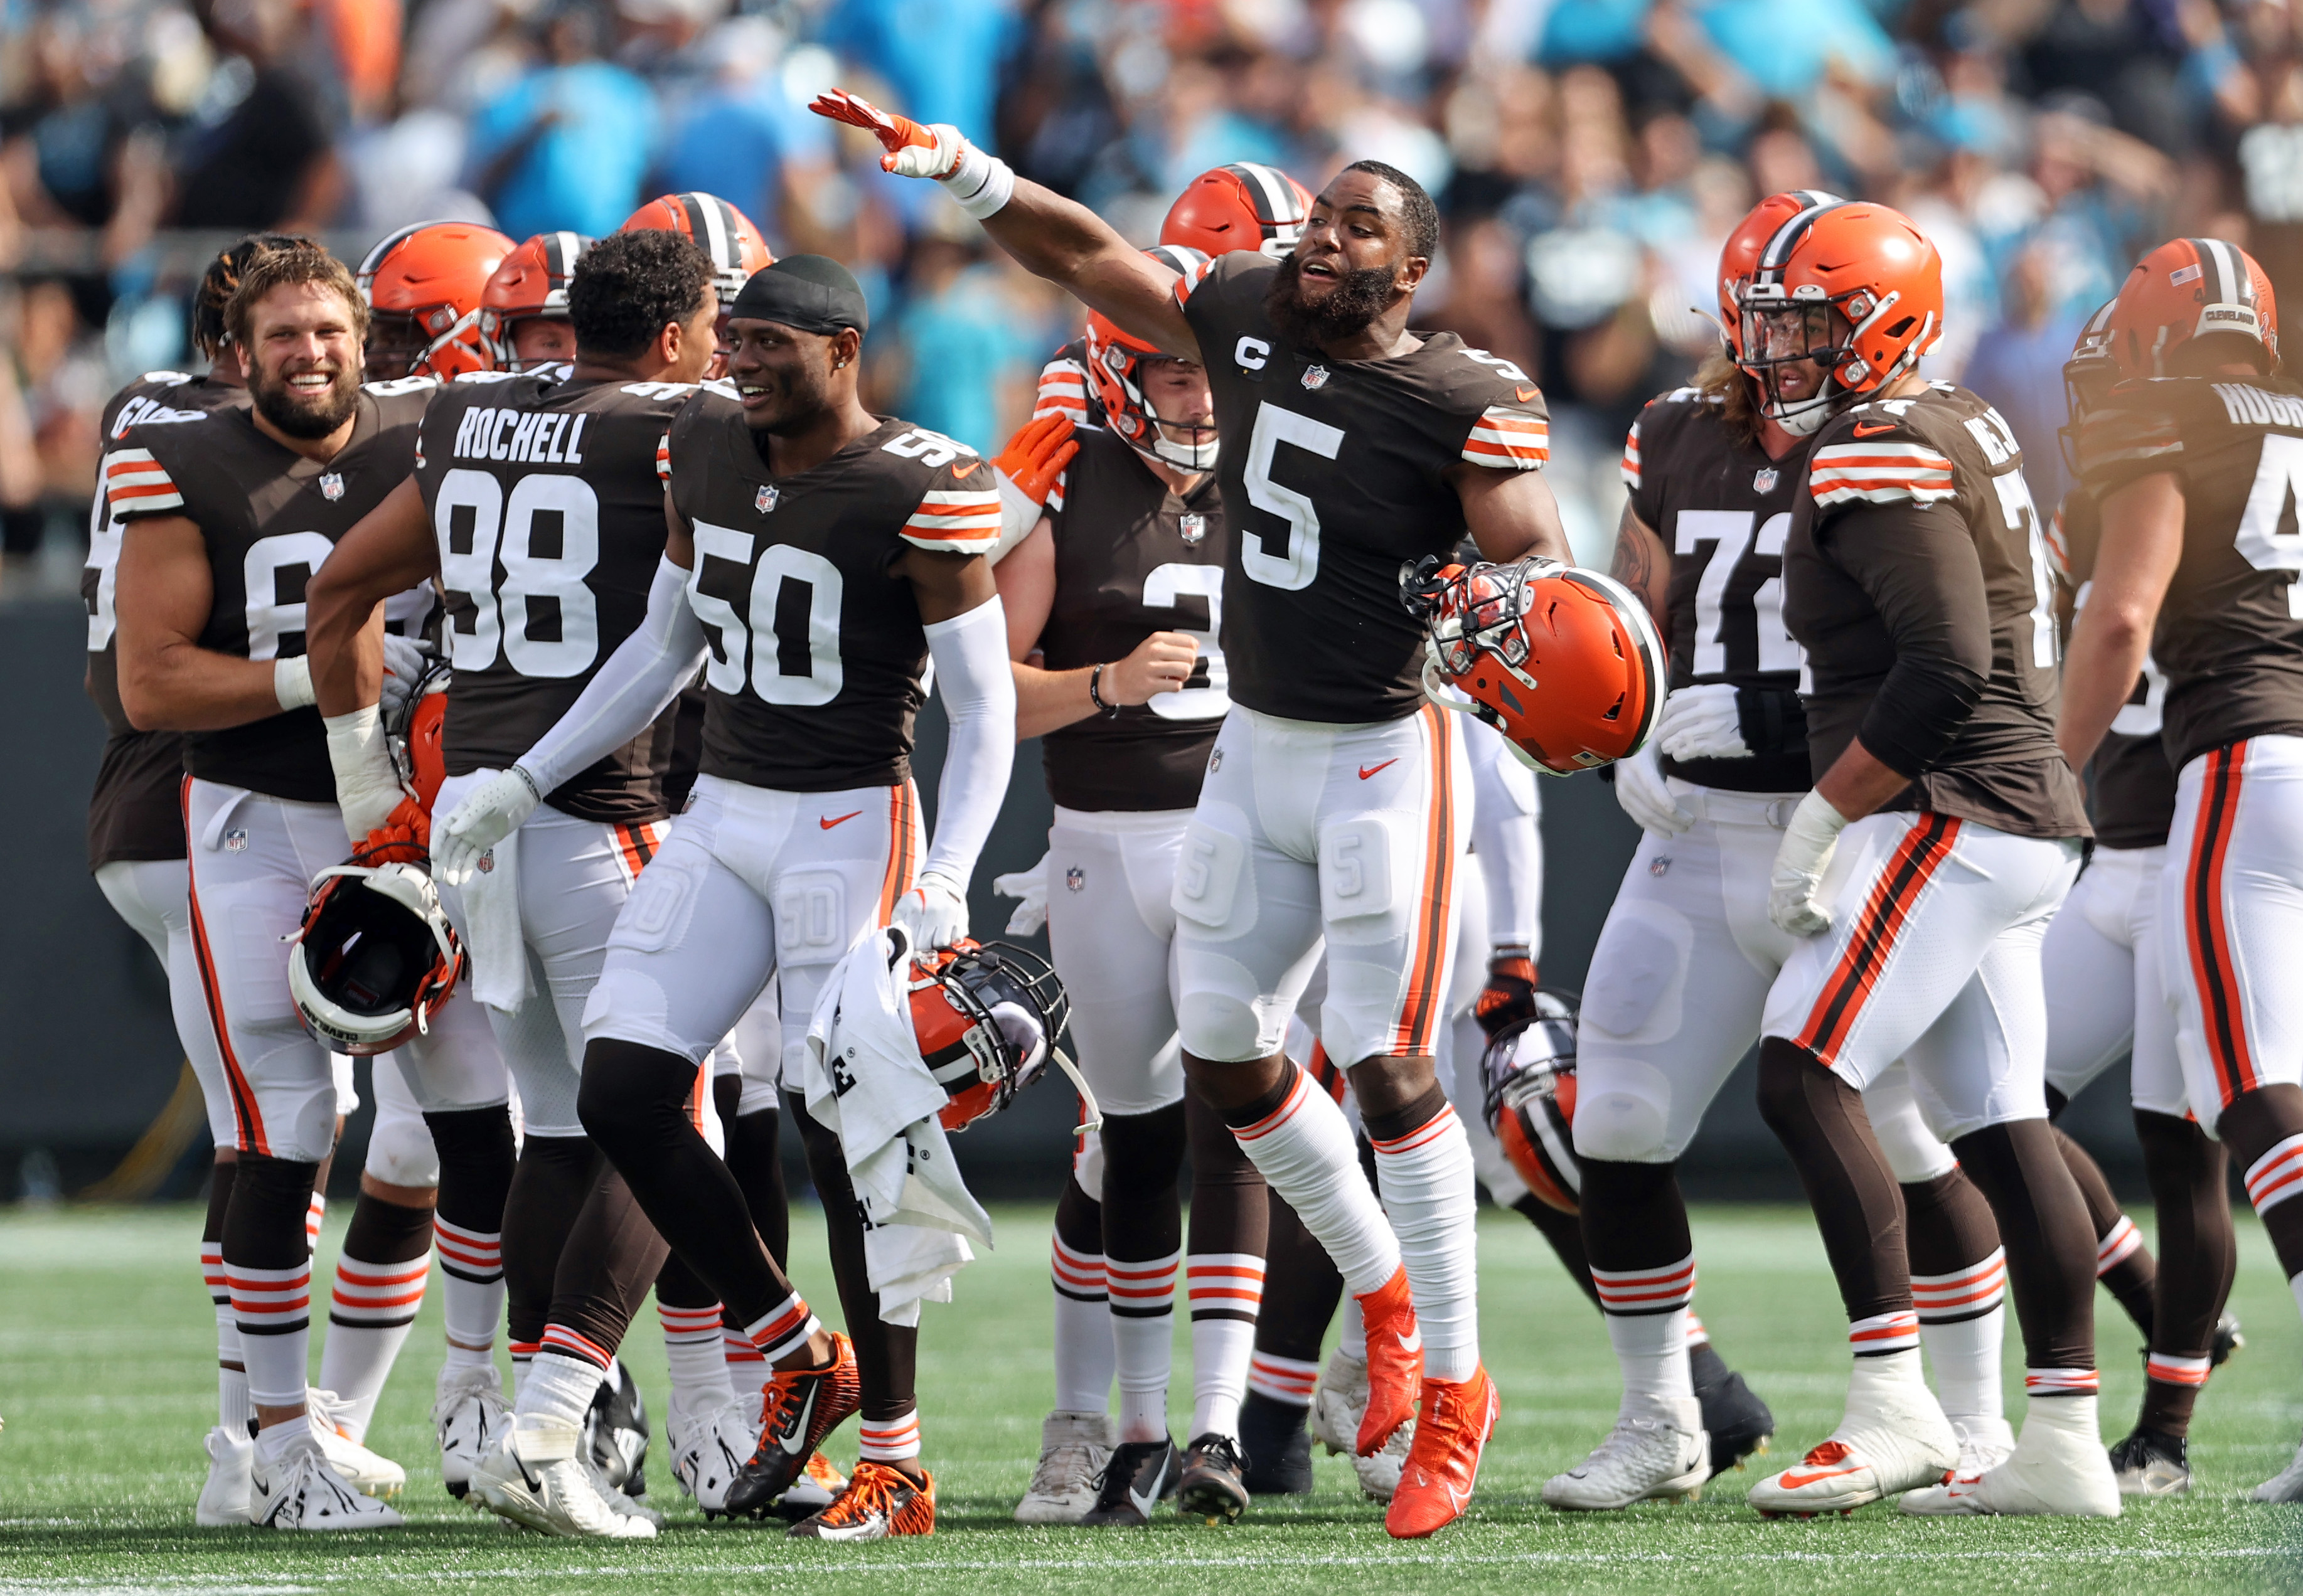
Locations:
{"points": [[371, 1473], [1339, 1403], [534, 1475], [2285, 1486], [468, 1415], [2058, 1467], [1378, 1475], [1074, 1448], [1657, 1452], [708, 1449], [229, 1497], [305, 1492], [1984, 1445], [1894, 1438]]}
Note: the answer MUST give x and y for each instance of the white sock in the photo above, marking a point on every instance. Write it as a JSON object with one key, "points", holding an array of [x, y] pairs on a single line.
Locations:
{"points": [[371, 1309], [1287, 1379], [1143, 1336], [890, 1441], [1221, 1351], [747, 1371], [1433, 1204], [1964, 1359], [1305, 1149], [558, 1390], [315, 1212], [275, 1444], [471, 1283], [459, 1359], [2295, 1284], [692, 1358], [232, 1411], [272, 1308], [1697, 1336], [1652, 1350], [1352, 1329], [1086, 1357]]}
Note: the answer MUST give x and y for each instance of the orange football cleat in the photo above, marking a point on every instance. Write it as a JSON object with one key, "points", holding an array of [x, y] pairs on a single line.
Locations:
{"points": [[803, 1405], [1395, 1355], [1436, 1486], [880, 1502]]}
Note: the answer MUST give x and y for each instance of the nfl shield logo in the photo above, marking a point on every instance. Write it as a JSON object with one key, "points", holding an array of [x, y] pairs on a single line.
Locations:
{"points": [[1195, 528], [1764, 480], [332, 487], [765, 499], [1659, 866], [1315, 377], [235, 841], [1075, 879]]}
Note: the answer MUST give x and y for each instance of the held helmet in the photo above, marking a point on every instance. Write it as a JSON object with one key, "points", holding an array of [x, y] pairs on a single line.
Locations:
{"points": [[532, 283], [717, 228], [1564, 662], [987, 1017], [1115, 372], [1528, 1074], [376, 956], [1855, 287], [1739, 256], [416, 735], [1245, 206], [2186, 288], [424, 285]]}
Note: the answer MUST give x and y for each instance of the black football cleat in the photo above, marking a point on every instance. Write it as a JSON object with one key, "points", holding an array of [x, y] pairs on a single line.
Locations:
{"points": [[1277, 1447], [1213, 1484], [2227, 1340], [1738, 1423], [2152, 1463], [616, 1432], [1139, 1476]]}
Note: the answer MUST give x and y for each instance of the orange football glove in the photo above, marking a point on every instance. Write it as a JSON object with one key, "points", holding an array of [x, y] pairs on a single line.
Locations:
{"points": [[404, 838], [1036, 456], [1508, 996], [914, 150]]}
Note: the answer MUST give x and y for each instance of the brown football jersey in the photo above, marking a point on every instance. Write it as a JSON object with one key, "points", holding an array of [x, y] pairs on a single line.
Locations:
{"points": [[1064, 388], [816, 651], [2130, 784], [1333, 474], [1723, 509], [2231, 630], [269, 516], [546, 497], [137, 810], [1917, 578], [1132, 559]]}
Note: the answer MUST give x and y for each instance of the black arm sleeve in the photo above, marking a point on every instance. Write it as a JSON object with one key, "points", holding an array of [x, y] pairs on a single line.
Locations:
{"points": [[1920, 570]]}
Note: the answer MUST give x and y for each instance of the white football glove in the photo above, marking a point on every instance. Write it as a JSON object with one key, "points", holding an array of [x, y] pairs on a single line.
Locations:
{"points": [[1029, 888], [1700, 723], [404, 660], [1646, 796], [1796, 881], [367, 788], [933, 914], [480, 822]]}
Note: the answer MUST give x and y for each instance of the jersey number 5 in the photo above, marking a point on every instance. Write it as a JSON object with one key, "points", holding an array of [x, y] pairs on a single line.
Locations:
{"points": [[1293, 569]]}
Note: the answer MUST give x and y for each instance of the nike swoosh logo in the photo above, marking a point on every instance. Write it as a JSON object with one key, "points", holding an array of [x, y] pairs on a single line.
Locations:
{"points": [[1791, 1481], [1144, 1504], [1872, 429], [1368, 771], [1526, 394], [1413, 1343], [960, 473], [828, 822], [794, 1441]]}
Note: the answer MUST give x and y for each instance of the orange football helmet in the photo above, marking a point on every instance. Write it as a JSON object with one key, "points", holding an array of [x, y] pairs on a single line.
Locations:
{"points": [[423, 285], [1739, 256], [532, 282], [1245, 205], [416, 735], [1528, 1074], [719, 228], [376, 956], [1115, 370], [1856, 287], [988, 1017], [1564, 662], [2088, 377], [2186, 288]]}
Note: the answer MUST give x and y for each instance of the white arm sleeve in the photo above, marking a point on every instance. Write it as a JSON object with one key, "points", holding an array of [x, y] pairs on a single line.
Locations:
{"points": [[632, 686], [970, 652], [1505, 838]]}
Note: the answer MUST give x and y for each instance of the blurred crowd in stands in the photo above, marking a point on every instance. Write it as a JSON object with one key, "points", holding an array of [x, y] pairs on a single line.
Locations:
{"points": [[1588, 155]]}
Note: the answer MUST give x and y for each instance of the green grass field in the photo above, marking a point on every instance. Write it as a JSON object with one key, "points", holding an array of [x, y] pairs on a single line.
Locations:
{"points": [[105, 1350]]}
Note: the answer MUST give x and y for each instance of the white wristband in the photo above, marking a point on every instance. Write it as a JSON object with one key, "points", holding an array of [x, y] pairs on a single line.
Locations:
{"points": [[292, 683], [981, 183]]}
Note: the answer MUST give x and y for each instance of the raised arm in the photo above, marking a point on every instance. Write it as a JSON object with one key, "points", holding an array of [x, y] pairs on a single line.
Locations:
{"points": [[1049, 236]]}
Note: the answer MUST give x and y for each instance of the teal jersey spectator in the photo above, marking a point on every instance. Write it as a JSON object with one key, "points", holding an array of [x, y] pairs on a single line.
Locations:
{"points": [[943, 56], [735, 141], [1575, 32], [582, 173], [1783, 46], [958, 344]]}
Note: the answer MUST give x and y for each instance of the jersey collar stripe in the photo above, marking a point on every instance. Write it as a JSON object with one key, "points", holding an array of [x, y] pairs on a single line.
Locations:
{"points": [[246, 1115], [2222, 998], [1419, 1009], [1872, 943]]}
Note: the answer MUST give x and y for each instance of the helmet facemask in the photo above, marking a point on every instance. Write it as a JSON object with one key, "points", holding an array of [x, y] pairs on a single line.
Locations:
{"points": [[1794, 352], [1125, 389]]}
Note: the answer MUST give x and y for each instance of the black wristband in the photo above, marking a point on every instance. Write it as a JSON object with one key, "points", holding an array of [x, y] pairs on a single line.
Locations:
{"points": [[1095, 678]]}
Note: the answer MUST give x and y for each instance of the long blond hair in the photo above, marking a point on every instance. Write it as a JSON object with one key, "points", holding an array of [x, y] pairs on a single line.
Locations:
{"points": [[1720, 378]]}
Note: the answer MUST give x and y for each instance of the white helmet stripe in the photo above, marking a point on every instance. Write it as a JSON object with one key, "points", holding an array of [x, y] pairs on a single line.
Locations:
{"points": [[2216, 253], [1278, 201], [1787, 237], [708, 224]]}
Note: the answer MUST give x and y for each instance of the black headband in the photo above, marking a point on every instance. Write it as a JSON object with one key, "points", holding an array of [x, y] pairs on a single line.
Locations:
{"points": [[812, 293]]}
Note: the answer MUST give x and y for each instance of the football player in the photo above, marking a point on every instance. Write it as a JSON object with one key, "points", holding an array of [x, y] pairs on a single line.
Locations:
{"points": [[727, 237], [425, 285], [2191, 464], [1336, 800], [228, 515], [1920, 871], [524, 309], [1680, 976], [833, 554], [536, 506], [1113, 606]]}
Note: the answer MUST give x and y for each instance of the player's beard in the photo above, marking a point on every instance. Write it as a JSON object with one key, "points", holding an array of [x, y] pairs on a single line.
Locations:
{"points": [[1349, 309], [301, 417]]}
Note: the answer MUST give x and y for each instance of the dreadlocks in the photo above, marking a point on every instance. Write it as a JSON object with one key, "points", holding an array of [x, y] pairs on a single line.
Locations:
{"points": [[222, 280]]}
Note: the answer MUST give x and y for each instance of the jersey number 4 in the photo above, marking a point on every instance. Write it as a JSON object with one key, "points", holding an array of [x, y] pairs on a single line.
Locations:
{"points": [[2269, 537], [543, 593]]}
